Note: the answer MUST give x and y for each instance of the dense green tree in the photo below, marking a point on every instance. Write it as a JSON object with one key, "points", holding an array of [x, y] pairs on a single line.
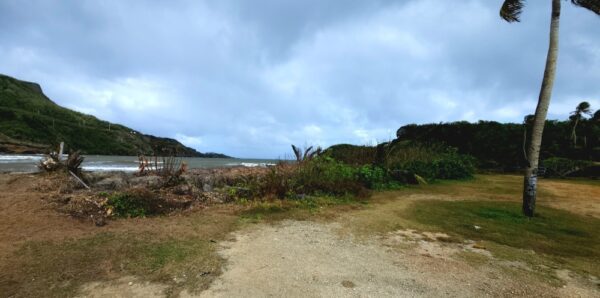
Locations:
{"points": [[510, 11]]}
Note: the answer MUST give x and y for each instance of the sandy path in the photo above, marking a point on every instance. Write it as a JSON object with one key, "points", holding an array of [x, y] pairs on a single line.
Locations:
{"points": [[308, 259], [300, 259]]}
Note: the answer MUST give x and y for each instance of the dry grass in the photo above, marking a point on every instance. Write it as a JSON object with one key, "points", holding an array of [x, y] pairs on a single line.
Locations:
{"points": [[46, 254]]}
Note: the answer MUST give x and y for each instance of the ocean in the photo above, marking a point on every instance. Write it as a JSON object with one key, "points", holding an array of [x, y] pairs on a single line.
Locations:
{"points": [[95, 163]]}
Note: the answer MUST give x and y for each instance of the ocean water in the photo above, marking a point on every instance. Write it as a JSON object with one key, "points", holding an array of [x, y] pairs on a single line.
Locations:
{"points": [[95, 163]]}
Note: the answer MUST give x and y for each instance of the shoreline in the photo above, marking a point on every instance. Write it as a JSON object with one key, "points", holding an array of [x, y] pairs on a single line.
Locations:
{"points": [[27, 163]]}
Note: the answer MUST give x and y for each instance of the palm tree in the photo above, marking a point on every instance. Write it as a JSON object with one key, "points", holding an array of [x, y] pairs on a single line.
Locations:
{"points": [[527, 121], [582, 108], [510, 12]]}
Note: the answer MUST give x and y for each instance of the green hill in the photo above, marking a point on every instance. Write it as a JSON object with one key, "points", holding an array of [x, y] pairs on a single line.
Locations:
{"points": [[30, 122]]}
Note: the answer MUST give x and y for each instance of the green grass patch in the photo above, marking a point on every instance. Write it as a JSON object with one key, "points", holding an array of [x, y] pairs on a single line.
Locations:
{"points": [[566, 238], [296, 208]]}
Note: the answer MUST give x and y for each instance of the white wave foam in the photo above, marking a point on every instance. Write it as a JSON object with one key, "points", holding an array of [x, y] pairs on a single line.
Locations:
{"points": [[20, 158], [109, 168], [252, 164]]}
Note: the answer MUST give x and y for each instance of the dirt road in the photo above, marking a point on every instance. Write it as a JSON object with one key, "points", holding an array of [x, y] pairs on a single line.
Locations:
{"points": [[308, 259], [316, 259]]}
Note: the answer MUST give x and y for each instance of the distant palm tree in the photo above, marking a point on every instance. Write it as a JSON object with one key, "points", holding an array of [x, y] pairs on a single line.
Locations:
{"points": [[510, 11], [582, 108], [306, 155]]}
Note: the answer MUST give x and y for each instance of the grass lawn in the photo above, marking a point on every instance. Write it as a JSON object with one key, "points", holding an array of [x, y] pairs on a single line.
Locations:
{"points": [[562, 236]]}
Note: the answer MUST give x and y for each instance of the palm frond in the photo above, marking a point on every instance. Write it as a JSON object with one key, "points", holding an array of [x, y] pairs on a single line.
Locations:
{"points": [[297, 153], [511, 10], [307, 151], [314, 153], [593, 5]]}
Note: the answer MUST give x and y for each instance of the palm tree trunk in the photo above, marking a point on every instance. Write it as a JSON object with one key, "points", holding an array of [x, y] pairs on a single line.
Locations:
{"points": [[574, 132], [530, 179]]}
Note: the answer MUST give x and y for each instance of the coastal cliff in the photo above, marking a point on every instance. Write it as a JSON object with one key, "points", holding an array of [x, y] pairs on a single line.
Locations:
{"points": [[30, 122]]}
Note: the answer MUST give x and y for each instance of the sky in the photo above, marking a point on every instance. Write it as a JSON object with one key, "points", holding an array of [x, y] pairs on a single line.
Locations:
{"points": [[249, 78]]}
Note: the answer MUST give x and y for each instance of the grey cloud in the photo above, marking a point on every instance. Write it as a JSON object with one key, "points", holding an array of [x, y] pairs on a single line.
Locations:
{"points": [[249, 77]]}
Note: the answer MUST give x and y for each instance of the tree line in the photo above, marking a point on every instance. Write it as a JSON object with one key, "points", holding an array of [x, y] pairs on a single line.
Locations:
{"points": [[503, 146]]}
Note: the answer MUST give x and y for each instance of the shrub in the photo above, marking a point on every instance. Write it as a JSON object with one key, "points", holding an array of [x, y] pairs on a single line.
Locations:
{"points": [[562, 167], [445, 166], [318, 176], [134, 203], [326, 176], [454, 166], [378, 178]]}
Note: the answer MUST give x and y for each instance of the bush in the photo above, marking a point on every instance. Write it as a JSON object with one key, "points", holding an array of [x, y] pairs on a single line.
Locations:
{"points": [[319, 176], [446, 166], [134, 203], [326, 176], [563, 167], [378, 178], [454, 166]]}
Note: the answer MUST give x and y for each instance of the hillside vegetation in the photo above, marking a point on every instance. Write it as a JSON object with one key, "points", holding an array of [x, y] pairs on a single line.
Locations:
{"points": [[31, 122], [500, 145]]}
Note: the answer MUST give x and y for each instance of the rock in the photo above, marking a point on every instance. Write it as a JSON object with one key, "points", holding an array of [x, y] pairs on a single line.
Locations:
{"points": [[111, 183], [207, 187], [214, 197], [182, 190], [147, 181]]}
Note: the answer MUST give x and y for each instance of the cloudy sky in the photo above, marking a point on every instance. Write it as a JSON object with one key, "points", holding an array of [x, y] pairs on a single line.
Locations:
{"points": [[249, 78]]}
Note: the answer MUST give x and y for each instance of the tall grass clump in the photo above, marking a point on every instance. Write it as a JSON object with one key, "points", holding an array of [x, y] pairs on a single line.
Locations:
{"points": [[318, 176]]}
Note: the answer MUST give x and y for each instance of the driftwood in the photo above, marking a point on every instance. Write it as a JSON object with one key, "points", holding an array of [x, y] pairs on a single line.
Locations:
{"points": [[79, 179]]}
